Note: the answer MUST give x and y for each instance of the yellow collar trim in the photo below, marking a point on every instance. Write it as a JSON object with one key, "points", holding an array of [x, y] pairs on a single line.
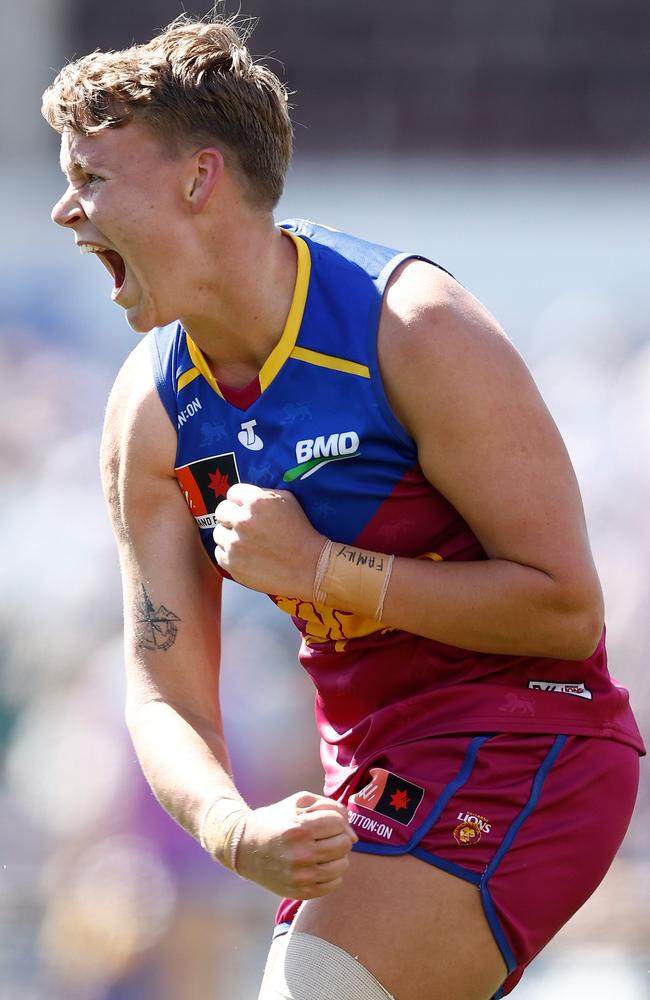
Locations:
{"points": [[330, 361], [287, 341]]}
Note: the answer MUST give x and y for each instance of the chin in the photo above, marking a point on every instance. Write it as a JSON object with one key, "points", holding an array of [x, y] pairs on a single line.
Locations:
{"points": [[141, 320], [144, 320], [139, 325]]}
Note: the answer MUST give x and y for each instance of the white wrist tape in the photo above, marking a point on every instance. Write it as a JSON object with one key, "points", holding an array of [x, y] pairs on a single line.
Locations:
{"points": [[221, 828]]}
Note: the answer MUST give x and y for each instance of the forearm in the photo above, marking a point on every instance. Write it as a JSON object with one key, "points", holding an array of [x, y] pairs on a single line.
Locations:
{"points": [[298, 847], [184, 760], [491, 606]]}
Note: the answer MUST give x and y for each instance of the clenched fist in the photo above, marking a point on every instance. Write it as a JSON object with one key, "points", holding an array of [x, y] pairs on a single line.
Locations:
{"points": [[264, 541], [298, 847]]}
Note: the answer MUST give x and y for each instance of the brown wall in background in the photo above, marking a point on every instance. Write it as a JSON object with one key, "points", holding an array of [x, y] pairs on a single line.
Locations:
{"points": [[473, 75]]}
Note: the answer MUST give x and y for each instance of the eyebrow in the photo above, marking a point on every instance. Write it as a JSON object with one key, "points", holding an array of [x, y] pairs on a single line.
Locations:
{"points": [[79, 165]]}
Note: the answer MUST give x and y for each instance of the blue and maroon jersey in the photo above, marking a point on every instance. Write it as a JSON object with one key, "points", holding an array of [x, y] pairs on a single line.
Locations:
{"points": [[316, 421]]}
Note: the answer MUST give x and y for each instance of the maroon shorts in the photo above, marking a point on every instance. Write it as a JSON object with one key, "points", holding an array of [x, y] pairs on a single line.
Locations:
{"points": [[534, 821]]}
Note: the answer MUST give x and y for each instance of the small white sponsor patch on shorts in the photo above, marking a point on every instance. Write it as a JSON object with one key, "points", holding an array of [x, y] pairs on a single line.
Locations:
{"points": [[561, 687], [372, 825]]}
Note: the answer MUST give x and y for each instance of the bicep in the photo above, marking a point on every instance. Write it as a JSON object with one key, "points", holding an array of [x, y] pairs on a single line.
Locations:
{"points": [[172, 600], [171, 590], [487, 441]]}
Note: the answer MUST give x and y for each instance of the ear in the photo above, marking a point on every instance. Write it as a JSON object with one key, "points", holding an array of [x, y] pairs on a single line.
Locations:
{"points": [[207, 170]]}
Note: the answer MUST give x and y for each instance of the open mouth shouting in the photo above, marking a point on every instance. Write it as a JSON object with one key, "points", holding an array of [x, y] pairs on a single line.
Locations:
{"points": [[111, 261]]}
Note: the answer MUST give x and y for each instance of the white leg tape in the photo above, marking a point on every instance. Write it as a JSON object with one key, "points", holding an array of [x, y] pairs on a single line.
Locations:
{"points": [[304, 967]]}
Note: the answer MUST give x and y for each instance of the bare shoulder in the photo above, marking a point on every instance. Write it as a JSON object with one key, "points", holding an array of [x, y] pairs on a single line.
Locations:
{"points": [[433, 330], [138, 439], [484, 435], [420, 294]]}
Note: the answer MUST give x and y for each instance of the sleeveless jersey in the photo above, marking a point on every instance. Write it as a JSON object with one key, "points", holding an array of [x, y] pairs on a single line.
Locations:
{"points": [[317, 422]]}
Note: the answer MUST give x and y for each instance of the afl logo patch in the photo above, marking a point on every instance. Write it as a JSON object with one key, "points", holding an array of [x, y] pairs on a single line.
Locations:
{"points": [[390, 795], [205, 483], [470, 828]]}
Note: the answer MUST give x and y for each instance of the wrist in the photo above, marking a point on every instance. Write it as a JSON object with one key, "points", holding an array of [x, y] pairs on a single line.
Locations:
{"points": [[311, 553], [221, 828], [352, 578]]}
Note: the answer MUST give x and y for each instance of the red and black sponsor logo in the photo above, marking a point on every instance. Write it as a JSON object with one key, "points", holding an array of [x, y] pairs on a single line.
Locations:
{"points": [[389, 795], [205, 483]]}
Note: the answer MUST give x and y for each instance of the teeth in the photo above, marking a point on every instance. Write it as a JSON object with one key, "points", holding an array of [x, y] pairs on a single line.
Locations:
{"points": [[91, 248]]}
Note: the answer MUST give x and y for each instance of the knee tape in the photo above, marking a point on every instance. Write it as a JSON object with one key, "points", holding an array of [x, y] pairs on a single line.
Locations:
{"points": [[305, 967]]}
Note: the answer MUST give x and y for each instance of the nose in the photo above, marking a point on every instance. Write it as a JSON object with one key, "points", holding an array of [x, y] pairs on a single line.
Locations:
{"points": [[68, 211]]}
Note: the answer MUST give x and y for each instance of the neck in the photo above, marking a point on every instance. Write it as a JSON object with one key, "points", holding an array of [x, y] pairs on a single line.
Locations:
{"points": [[242, 298]]}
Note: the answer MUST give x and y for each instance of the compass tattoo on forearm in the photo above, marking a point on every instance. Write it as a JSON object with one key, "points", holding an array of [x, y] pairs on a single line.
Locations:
{"points": [[154, 628]]}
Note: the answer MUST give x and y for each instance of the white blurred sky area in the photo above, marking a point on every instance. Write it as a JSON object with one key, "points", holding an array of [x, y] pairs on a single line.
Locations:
{"points": [[102, 897]]}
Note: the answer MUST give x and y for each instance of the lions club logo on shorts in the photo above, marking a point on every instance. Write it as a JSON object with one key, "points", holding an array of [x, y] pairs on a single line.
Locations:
{"points": [[469, 829]]}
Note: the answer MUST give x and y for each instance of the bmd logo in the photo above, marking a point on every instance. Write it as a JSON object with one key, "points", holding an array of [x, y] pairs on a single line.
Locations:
{"points": [[335, 446], [313, 453]]}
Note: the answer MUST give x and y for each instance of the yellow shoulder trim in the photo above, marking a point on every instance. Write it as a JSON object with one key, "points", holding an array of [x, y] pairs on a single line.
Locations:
{"points": [[329, 361], [186, 378]]}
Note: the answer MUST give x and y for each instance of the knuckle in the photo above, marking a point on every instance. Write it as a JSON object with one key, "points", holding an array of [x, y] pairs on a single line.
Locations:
{"points": [[303, 877], [295, 834], [334, 869], [302, 856], [308, 874]]}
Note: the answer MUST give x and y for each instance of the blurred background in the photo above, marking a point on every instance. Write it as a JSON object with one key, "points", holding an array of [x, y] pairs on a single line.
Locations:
{"points": [[510, 142]]}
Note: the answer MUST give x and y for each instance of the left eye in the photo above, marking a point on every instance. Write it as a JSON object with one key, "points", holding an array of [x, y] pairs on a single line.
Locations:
{"points": [[93, 178]]}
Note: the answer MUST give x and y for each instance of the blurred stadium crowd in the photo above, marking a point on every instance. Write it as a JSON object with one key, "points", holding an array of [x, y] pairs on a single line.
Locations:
{"points": [[102, 897]]}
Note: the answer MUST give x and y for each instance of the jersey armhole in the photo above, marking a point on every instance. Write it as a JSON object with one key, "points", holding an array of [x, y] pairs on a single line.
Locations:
{"points": [[381, 282], [163, 369]]}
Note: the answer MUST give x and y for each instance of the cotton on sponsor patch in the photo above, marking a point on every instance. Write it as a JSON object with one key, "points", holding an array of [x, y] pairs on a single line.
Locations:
{"points": [[205, 483], [370, 825], [561, 687], [390, 795]]}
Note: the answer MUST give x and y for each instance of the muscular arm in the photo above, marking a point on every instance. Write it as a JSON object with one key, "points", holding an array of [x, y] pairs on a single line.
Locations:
{"points": [[171, 604], [298, 847], [487, 442]]}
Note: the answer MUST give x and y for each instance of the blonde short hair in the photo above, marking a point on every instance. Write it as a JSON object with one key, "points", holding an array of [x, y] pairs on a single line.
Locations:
{"points": [[194, 84]]}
